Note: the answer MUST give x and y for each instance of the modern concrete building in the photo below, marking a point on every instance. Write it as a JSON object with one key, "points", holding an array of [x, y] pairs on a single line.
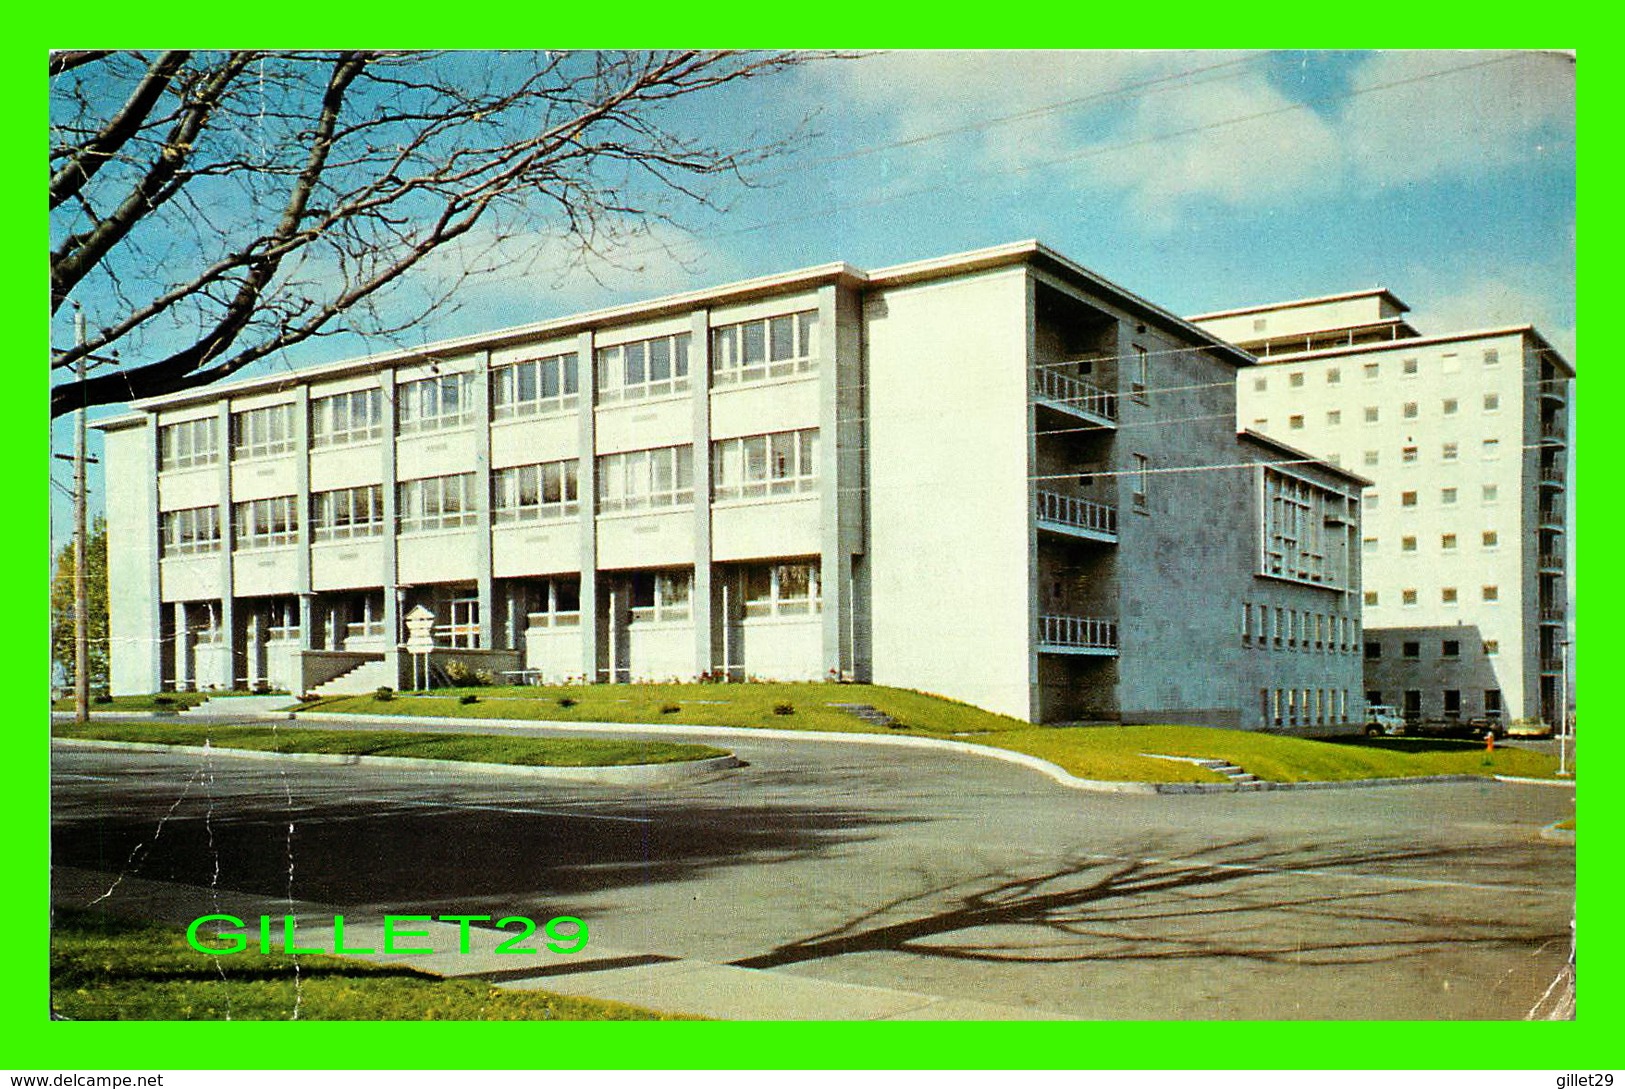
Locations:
{"points": [[994, 476], [1465, 437]]}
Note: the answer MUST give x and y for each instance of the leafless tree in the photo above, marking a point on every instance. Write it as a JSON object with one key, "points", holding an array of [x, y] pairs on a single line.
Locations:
{"points": [[219, 207]]}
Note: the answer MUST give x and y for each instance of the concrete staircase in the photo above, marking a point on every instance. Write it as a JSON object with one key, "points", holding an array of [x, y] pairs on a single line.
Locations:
{"points": [[363, 678], [1239, 777], [872, 715]]}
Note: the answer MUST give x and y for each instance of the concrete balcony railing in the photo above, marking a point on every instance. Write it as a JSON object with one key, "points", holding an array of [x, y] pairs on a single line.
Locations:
{"points": [[1551, 561], [1555, 429], [1549, 664], [1551, 517], [1553, 614], [1070, 511], [1553, 476], [1065, 391], [1077, 633]]}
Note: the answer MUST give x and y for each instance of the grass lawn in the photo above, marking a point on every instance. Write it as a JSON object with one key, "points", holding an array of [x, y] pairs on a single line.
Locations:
{"points": [[528, 751], [106, 969], [172, 701], [1092, 752]]}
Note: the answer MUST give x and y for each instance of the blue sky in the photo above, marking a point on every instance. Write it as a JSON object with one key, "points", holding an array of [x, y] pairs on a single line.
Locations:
{"points": [[1201, 181]]}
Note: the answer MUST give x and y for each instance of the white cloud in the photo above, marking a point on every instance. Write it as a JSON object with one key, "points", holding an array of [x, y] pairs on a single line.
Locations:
{"points": [[1416, 116], [1483, 302]]}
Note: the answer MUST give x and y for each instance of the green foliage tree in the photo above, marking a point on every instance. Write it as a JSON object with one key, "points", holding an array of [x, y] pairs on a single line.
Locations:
{"points": [[62, 626]]}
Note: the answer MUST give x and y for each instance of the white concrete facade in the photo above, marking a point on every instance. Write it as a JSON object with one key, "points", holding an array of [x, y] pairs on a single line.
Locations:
{"points": [[994, 476], [1465, 437]]}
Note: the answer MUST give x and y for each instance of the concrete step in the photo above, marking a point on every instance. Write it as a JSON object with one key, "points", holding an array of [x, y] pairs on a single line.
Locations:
{"points": [[872, 715], [364, 678], [240, 705]]}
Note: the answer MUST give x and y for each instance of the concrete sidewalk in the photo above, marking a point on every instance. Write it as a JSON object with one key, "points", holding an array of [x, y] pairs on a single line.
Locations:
{"points": [[653, 980]]}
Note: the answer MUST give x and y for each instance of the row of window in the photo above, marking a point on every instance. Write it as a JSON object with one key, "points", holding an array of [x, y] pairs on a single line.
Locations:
{"points": [[745, 352], [1450, 702], [1265, 625], [1411, 649], [1409, 367], [1304, 706], [1448, 595], [1448, 542], [1487, 493], [1297, 542], [1409, 410]]}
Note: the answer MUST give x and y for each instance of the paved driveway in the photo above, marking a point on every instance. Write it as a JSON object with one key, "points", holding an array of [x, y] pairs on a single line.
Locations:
{"points": [[942, 874]]}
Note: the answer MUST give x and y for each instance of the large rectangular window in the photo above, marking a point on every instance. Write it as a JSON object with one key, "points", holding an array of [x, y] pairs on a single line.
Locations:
{"points": [[531, 492], [535, 386], [776, 347], [782, 463], [183, 445], [661, 596], [643, 368], [260, 432], [556, 604], [347, 512], [436, 502], [431, 404], [641, 479], [265, 523], [185, 532], [347, 417], [782, 589]]}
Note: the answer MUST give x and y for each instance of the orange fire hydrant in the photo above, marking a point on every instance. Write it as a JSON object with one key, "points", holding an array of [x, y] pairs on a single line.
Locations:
{"points": [[1489, 741]]}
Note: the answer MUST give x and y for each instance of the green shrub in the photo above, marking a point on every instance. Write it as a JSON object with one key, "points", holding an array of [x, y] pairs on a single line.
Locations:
{"points": [[163, 701], [484, 676], [566, 702], [468, 697], [784, 708], [669, 709], [101, 697], [458, 674], [384, 694]]}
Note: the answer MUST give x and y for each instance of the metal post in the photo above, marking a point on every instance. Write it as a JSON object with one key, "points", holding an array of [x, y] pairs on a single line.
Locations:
{"points": [[1563, 716], [81, 603]]}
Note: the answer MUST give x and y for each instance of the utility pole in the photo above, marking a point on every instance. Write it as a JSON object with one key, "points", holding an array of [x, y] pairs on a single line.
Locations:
{"points": [[1563, 717], [81, 602]]}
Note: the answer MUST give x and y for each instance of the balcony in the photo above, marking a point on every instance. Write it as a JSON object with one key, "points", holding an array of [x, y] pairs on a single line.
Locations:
{"points": [[1551, 518], [1074, 517], [1554, 390], [1554, 429], [1551, 563], [1077, 635], [1074, 396], [1553, 476], [1553, 614], [1551, 664]]}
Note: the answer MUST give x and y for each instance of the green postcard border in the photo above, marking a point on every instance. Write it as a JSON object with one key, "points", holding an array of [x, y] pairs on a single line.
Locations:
{"points": [[37, 1043]]}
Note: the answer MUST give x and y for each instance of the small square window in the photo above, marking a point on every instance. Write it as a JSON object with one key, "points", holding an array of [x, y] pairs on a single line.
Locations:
{"points": [[1410, 366], [1369, 544], [1370, 501], [1491, 539], [1295, 422], [1450, 363], [1372, 370], [1450, 451], [1407, 597], [1371, 597], [1371, 414], [1295, 379], [1373, 650], [1334, 376], [1260, 385], [1371, 457], [1448, 595], [1447, 541], [1261, 424], [1410, 410], [1492, 647], [1407, 499], [1333, 418], [1447, 496], [1492, 402], [1492, 449], [1407, 544], [1450, 406], [1450, 648], [1491, 493], [1410, 649], [1492, 593], [1492, 357], [1407, 454]]}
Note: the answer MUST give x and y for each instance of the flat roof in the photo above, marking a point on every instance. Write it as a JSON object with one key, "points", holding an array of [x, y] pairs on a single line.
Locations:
{"points": [[1295, 303], [1027, 252], [1422, 342], [1304, 456]]}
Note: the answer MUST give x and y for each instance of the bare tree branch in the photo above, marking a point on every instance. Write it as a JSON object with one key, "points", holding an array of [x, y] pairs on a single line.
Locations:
{"points": [[219, 169]]}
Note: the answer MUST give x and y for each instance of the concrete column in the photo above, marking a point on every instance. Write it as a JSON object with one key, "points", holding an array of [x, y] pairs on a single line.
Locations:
{"points": [[154, 603], [587, 484], [255, 638], [699, 376], [183, 643], [482, 502], [301, 483], [837, 480], [228, 549], [307, 621], [391, 573]]}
